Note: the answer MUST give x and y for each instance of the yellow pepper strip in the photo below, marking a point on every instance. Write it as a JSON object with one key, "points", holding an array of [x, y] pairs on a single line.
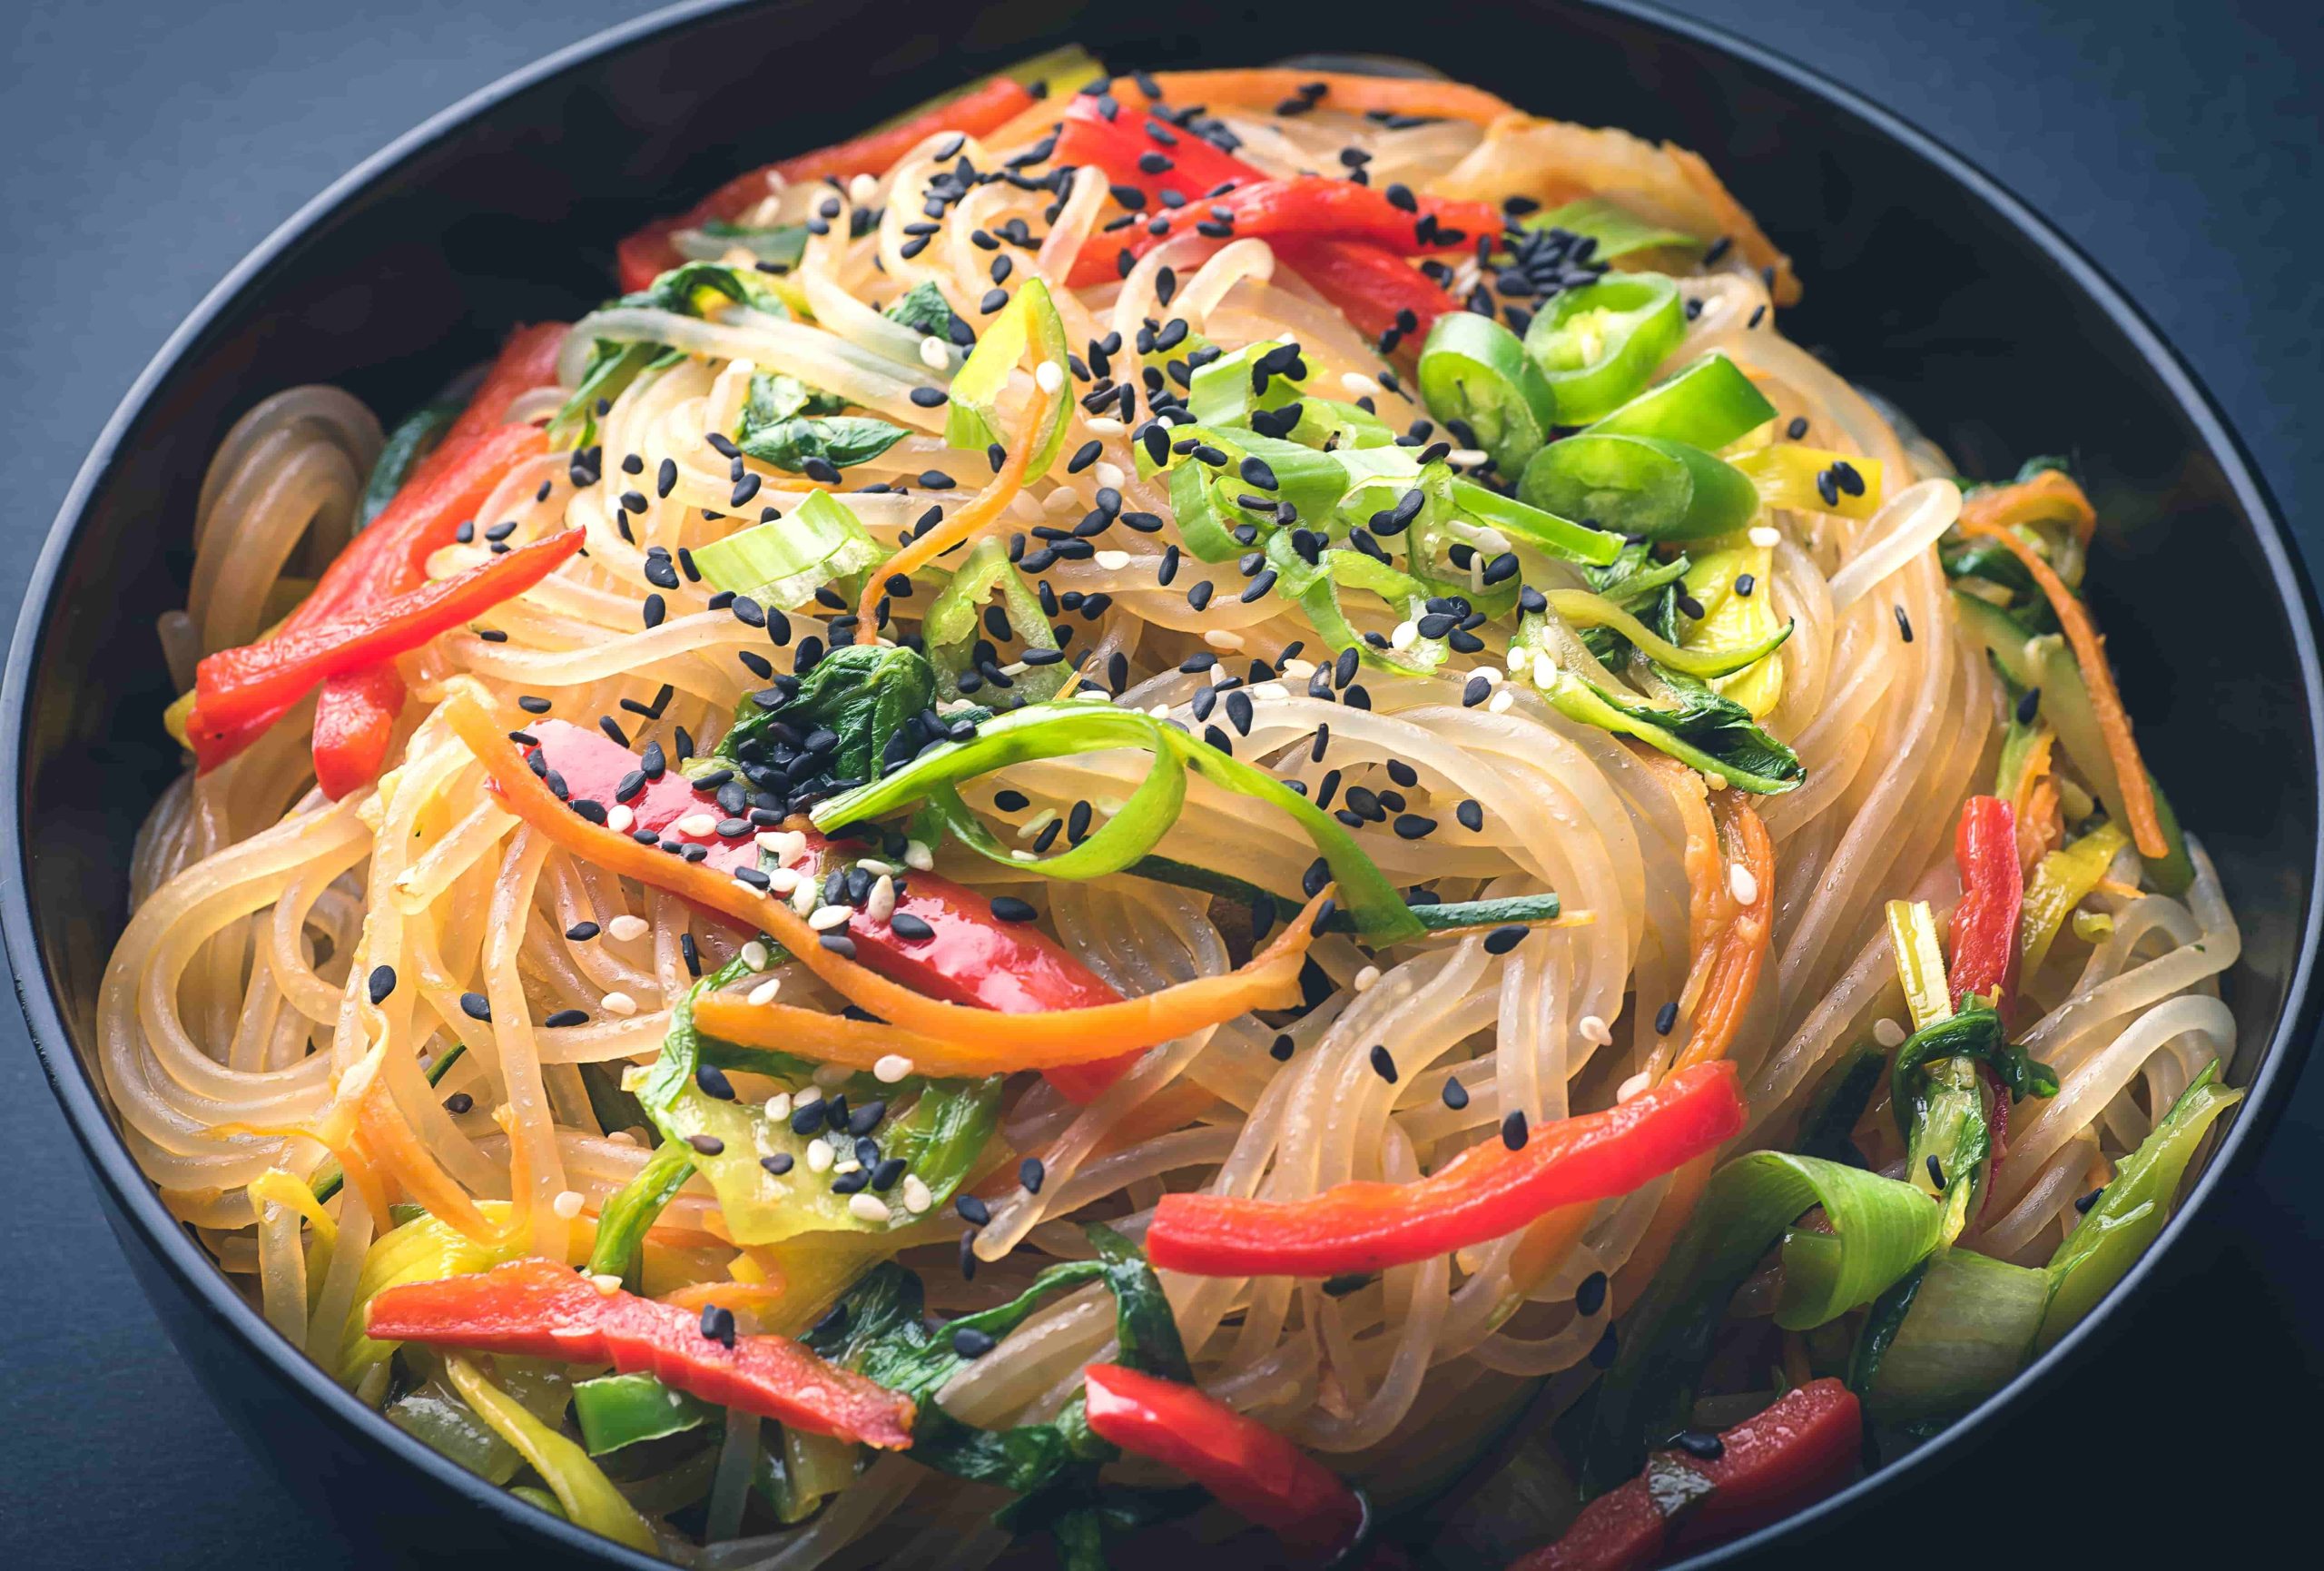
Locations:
{"points": [[581, 1486], [2061, 881], [285, 1189], [965, 1040], [1920, 962], [1785, 474]]}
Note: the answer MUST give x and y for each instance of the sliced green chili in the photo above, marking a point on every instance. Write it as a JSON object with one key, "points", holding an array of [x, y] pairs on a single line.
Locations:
{"points": [[1597, 345], [1473, 370]]}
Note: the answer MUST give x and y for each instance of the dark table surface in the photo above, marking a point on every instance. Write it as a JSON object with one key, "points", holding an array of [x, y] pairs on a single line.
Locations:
{"points": [[148, 145]]}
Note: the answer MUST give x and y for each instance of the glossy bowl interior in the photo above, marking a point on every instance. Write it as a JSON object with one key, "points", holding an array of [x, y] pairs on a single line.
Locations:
{"points": [[1926, 283]]}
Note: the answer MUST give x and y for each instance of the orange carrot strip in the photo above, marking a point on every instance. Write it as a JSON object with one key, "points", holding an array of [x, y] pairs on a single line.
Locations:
{"points": [[2049, 496], [2089, 653], [1734, 974], [982, 508], [1264, 87], [980, 1041]]}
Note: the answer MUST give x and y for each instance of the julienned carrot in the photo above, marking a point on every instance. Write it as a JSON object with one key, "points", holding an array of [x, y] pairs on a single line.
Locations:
{"points": [[2051, 495], [1264, 87], [2089, 653], [959, 528], [968, 1040], [1742, 949]]}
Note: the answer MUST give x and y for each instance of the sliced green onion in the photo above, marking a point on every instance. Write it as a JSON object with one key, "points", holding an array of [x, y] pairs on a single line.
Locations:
{"points": [[784, 561], [1029, 320], [1474, 370], [2131, 1210], [1880, 1230], [1221, 394], [781, 245], [1708, 405], [627, 1218], [1639, 485], [1316, 588], [1067, 729], [1700, 728], [1618, 230], [1948, 1336], [1579, 608], [1597, 345]]}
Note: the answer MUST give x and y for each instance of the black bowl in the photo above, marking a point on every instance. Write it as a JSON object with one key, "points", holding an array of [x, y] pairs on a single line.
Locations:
{"points": [[1930, 284]]}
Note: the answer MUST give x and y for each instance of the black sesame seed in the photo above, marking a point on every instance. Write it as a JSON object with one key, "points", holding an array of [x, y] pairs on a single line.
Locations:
{"points": [[458, 1103], [1456, 1094], [1505, 937], [475, 1006], [1009, 908], [1472, 814], [1384, 1064], [1281, 1048], [1590, 1296], [1512, 1130], [1032, 1174], [382, 982], [563, 1018], [1666, 1017], [707, 1144], [778, 1164]]}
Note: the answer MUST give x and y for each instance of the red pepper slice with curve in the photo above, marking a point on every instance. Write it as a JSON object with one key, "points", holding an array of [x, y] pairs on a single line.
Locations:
{"points": [[649, 254], [1306, 205], [1086, 138], [355, 719], [1486, 1192], [969, 956], [1793, 1454], [1993, 894], [1377, 291], [1254, 1472], [539, 1308], [235, 686]]}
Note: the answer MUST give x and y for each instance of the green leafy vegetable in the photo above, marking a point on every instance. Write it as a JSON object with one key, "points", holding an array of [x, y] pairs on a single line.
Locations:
{"points": [[785, 423], [1972, 1033], [864, 694], [1946, 1336], [949, 627], [924, 309], [2116, 1230], [781, 244], [692, 290], [409, 442], [1618, 230], [1880, 1228], [1700, 728]]}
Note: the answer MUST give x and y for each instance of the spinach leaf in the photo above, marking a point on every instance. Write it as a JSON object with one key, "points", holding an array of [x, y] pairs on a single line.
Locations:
{"points": [[785, 423], [692, 290], [924, 309], [1974, 1033], [1644, 586], [866, 695], [1700, 728]]}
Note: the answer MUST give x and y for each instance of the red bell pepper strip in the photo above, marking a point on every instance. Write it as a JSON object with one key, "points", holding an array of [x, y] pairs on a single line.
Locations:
{"points": [[1992, 893], [234, 686], [1255, 1472], [969, 957], [1086, 138], [538, 1309], [1769, 1466], [355, 718], [1375, 290], [384, 559], [649, 253], [1305, 205], [1486, 1192]]}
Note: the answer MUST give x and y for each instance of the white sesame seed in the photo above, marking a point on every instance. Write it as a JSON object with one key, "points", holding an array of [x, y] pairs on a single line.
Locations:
{"points": [[1765, 538], [1112, 561], [1594, 1030], [606, 1284], [620, 819], [1364, 979], [846, 1164], [1049, 378], [804, 898], [807, 1096], [1499, 703], [824, 918], [880, 903], [697, 824], [1466, 458], [766, 990], [567, 1204], [1741, 884], [1021, 854], [626, 927], [1222, 638], [618, 1003], [819, 1156], [778, 1106], [1545, 670], [917, 1199], [1105, 426], [862, 189], [756, 955], [935, 354], [1491, 673], [1358, 384], [875, 867], [869, 1208], [1406, 635], [1108, 473], [918, 857], [1631, 1087], [1714, 781], [782, 881], [1888, 1033], [1035, 823], [891, 1068], [1299, 670]]}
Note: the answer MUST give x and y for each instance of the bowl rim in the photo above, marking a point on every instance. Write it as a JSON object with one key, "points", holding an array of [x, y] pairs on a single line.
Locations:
{"points": [[132, 1197]]}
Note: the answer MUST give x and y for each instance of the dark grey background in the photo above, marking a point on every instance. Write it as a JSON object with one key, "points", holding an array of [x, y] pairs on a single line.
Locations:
{"points": [[144, 146]]}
